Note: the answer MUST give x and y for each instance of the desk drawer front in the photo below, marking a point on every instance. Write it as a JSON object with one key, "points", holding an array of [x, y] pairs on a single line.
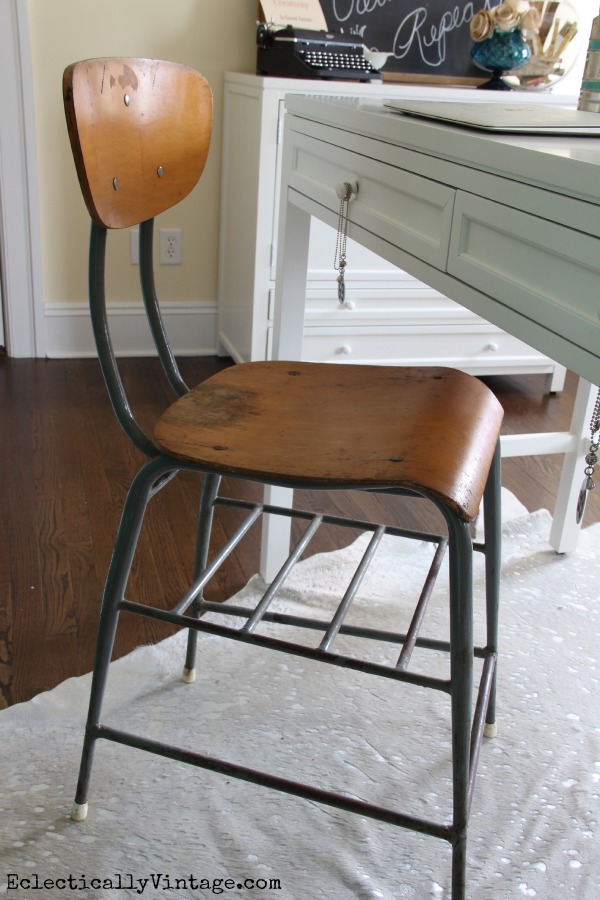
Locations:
{"points": [[397, 205], [526, 261], [476, 351]]}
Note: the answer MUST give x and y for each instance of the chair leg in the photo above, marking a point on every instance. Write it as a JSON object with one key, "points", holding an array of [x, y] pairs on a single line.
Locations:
{"points": [[140, 492], [493, 527], [461, 675], [210, 489], [461, 656]]}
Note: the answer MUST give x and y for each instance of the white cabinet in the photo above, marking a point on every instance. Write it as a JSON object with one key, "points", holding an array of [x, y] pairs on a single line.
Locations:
{"points": [[388, 316]]}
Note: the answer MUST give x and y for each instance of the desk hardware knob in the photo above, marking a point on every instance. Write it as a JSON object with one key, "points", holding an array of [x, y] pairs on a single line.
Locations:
{"points": [[344, 349], [492, 347], [342, 188]]}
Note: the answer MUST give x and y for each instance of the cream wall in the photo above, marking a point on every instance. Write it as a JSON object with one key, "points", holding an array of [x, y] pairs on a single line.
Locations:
{"points": [[186, 31], [62, 31]]}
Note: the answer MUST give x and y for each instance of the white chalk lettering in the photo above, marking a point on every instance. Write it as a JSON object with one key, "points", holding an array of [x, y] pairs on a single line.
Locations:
{"points": [[418, 31]]}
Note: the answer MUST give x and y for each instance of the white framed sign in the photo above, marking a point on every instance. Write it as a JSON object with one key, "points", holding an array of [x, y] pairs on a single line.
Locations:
{"points": [[300, 13]]}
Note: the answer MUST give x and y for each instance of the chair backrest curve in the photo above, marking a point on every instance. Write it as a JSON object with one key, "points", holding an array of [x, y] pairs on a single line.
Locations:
{"points": [[140, 134]]}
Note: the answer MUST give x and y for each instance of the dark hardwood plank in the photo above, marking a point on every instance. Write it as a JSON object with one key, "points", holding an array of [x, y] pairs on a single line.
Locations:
{"points": [[66, 468]]}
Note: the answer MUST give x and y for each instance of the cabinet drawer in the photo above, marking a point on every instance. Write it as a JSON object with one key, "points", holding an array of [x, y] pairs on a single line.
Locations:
{"points": [[410, 303], [525, 262], [410, 211], [477, 350]]}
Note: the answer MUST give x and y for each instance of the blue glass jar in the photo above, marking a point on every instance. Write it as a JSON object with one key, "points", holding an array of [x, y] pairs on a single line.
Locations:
{"points": [[501, 52]]}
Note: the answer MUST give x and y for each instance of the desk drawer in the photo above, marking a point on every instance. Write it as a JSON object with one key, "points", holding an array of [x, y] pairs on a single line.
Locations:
{"points": [[476, 351], [398, 206], [406, 304], [525, 262]]}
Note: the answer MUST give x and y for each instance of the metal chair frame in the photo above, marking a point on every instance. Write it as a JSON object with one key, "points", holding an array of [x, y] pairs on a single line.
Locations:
{"points": [[469, 723]]}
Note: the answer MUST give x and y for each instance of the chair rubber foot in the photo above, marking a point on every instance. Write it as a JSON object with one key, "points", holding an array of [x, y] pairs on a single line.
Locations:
{"points": [[188, 675], [79, 812], [490, 729]]}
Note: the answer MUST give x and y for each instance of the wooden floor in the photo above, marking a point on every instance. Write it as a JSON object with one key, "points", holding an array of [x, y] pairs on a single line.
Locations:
{"points": [[65, 471]]}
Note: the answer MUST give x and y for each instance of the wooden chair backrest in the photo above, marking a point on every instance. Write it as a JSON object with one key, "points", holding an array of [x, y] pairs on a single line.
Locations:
{"points": [[140, 133]]}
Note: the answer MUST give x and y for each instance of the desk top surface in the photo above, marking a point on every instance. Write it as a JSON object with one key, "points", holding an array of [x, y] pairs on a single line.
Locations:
{"points": [[568, 164]]}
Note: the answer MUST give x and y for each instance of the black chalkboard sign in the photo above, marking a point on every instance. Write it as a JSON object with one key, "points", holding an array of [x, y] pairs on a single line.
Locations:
{"points": [[430, 41]]}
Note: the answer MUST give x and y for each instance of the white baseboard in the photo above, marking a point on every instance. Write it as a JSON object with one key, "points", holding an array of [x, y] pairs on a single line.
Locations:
{"points": [[191, 326]]}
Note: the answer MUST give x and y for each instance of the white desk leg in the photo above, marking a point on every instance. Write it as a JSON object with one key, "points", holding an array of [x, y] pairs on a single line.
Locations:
{"points": [[565, 530], [275, 540], [290, 298]]}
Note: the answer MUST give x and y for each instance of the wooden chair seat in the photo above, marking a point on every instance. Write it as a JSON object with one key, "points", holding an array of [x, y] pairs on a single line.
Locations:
{"points": [[341, 426]]}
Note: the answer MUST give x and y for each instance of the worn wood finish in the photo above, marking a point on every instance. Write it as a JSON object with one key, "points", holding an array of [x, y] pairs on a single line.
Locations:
{"points": [[66, 467], [341, 426], [121, 99]]}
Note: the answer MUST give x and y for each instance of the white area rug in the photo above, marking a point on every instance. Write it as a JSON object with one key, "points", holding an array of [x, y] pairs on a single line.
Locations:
{"points": [[157, 829]]}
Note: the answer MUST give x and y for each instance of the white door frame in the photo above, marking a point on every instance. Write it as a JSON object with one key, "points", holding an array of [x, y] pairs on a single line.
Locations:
{"points": [[20, 250]]}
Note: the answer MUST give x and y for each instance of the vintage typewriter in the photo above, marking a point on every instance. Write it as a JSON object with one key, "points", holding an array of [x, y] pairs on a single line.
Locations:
{"points": [[298, 53]]}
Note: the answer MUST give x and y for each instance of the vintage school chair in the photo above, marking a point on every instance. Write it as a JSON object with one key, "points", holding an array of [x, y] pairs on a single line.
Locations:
{"points": [[140, 133]]}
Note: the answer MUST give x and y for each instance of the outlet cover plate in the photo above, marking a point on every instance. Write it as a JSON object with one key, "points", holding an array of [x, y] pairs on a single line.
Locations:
{"points": [[170, 247]]}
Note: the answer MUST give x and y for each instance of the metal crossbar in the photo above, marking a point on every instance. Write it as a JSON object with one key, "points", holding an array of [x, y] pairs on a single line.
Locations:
{"points": [[359, 524], [332, 627], [263, 640], [421, 608], [279, 579], [285, 785], [373, 634], [335, 626], [200, 583], [342, 610]]}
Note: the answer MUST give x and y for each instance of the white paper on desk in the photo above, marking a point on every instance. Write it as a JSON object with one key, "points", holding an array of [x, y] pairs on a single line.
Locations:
{"points": [[301, 13]]}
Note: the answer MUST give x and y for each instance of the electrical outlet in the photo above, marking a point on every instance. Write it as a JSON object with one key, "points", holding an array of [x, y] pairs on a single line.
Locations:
{"points": [[170, 247]]}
